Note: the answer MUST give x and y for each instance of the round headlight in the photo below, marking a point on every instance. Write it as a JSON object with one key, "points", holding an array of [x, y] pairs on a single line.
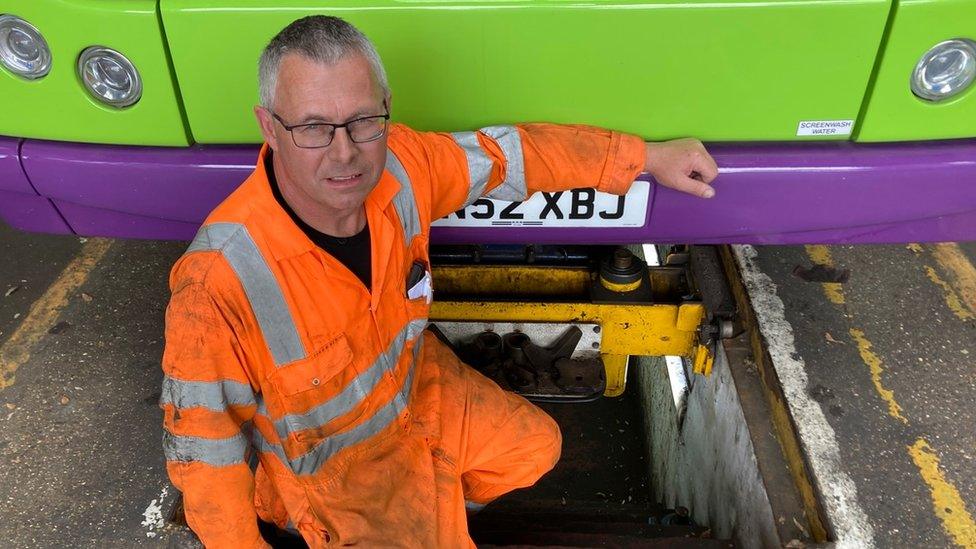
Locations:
{"points": [[23, 51], [945, 70], [109, 76]]}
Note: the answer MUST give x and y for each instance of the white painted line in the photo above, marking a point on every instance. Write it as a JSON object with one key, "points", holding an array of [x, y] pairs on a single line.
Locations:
{"points": [[817, 438], [153, 515]]}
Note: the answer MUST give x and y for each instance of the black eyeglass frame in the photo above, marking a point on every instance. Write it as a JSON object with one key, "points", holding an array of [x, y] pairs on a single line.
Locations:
{"points": [[385, 117]]}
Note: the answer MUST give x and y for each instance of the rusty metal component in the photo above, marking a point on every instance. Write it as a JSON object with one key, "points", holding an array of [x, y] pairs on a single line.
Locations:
{"points": [[541, 333], [623, 259], [579, 377], [621, 272], [712, 284], [539, 373]]}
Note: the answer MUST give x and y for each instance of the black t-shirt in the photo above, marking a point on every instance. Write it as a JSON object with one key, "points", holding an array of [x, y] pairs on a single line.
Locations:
{"points": [[352, 251]]}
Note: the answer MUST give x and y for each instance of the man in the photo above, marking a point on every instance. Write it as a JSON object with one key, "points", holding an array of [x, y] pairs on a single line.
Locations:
{"points": [[294, 335]]}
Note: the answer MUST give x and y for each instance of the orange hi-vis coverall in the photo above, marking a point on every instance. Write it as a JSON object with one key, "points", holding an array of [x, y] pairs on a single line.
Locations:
{"points": [[294, 393]]}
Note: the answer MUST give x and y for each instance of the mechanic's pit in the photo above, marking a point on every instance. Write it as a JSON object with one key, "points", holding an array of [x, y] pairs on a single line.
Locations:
{"points": [[649, 370]]}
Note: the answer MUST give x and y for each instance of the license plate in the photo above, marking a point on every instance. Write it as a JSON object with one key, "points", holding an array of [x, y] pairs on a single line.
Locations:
{"points": [[575, 208]]}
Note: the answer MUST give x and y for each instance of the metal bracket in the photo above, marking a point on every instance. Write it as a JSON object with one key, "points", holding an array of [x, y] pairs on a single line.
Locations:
{"points": [[556, 371], [657, 311]]}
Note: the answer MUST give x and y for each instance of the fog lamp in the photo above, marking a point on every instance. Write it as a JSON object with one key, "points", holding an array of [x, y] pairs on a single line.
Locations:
{"points": [[23, 51], [945, 70], [109, 76]]}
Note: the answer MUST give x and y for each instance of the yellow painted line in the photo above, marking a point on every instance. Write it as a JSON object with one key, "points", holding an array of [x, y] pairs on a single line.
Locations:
{"points": [[948, 504], [46, 310], [960, 271], [820, 255], [834, 292], [874, 363], [949, 294]]}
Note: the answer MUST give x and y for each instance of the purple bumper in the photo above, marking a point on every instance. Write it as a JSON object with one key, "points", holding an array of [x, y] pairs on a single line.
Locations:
{"points": [[767, 194], [20, 204]]}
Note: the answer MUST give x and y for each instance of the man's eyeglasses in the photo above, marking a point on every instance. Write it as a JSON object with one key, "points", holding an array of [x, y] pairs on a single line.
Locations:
{"points": [[318, 135]]}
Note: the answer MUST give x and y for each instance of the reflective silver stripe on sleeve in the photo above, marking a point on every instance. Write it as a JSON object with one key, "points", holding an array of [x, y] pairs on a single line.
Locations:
{"points": [[214, 395], [513, 188], [404, 201], [479, 164], [265, 296], [310, 462], [358, 388], [218, 452], [473, 507]]}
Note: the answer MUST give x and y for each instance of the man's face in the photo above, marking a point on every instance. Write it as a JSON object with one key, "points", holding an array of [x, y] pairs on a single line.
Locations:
{"points": [[336, 178]]}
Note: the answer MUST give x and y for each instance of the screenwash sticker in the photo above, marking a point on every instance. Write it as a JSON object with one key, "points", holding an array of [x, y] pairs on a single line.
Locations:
{"points": [[824, 127]]}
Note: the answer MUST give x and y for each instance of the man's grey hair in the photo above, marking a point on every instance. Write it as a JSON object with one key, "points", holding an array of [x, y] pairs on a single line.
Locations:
{"points": [[322, 38]]}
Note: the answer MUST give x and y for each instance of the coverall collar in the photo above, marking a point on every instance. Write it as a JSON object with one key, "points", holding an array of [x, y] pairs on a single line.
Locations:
{"points": [[287, 240]]}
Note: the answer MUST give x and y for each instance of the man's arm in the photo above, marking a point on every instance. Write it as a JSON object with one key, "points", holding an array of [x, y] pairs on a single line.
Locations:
{"points": [[513, 162], [206, 399]]}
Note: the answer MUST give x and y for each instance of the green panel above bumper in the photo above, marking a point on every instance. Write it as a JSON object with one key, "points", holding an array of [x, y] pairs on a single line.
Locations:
{"points": [[729, 70], [58, 107], [894, 113]]}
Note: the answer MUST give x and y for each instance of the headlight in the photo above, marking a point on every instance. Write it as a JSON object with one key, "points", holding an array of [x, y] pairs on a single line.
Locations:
{"points": [[109, 76], [945, 70], [23, 51]]}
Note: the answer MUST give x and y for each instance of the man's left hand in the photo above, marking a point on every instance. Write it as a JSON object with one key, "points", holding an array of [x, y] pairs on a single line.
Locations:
{"points": [[683, 165]]}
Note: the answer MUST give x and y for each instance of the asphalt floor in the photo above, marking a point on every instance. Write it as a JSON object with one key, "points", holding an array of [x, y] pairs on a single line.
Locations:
{"points": [[889, 352], [890, 356], [80, 429]]}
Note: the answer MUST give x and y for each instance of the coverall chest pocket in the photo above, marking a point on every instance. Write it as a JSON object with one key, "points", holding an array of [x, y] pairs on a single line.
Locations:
{"points": [[317, 394], [418, 284]]}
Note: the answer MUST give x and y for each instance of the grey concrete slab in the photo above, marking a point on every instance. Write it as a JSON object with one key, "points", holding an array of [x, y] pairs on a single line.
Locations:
{"points": [[894, 341]]}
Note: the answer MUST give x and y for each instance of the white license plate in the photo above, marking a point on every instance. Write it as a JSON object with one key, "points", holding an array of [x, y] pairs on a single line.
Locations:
{"points": [[575, 208]]}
